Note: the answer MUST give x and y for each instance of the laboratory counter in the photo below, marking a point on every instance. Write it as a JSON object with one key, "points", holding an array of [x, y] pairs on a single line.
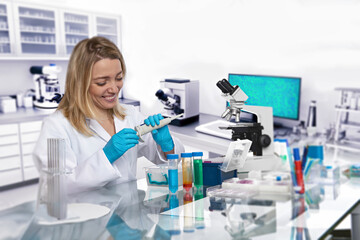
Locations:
{"points": [[23, 114], [136, 211]]}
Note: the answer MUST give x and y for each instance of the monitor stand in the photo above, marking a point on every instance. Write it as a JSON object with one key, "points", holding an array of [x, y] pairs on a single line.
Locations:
{"points": [[280, 130]]}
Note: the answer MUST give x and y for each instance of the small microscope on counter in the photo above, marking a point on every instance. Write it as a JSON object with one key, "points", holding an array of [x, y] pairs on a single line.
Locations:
{"points": [[180, 96], [47, 89], [260, 132]]}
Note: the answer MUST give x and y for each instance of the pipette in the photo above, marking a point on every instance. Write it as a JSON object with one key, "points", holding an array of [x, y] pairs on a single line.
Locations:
{"points": [[144, 129]]}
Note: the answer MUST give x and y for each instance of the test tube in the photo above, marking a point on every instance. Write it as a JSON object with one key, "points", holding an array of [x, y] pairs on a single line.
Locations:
{"points": [[198, 168], [188, 212], [187, 170], [199, 208], [173, 172]]}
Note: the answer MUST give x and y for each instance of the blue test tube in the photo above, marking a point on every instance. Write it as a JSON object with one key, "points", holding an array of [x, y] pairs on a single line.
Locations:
{"points": [[173, 172]]}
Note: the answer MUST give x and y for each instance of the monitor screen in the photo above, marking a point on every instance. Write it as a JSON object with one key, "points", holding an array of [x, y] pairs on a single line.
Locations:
{"points": [[280, 93]]}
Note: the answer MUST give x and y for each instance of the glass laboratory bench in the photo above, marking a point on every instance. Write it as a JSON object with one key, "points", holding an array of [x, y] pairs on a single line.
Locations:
{"points": [[137, 211]]}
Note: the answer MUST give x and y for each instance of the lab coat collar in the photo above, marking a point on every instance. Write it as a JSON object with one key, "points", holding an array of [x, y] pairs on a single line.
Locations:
{"points": [[98, 129]]}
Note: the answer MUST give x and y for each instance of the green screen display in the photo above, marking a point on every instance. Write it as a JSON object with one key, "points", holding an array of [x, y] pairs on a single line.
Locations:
{"points": [[280, 93]]}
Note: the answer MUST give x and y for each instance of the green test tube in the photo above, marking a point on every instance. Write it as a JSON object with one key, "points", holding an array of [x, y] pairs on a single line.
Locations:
{"points": [[198, 168]]}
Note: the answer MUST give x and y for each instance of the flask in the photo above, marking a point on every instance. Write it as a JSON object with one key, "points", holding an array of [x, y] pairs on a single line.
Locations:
{"points": [[198, 168], [311, 121], [187, 170], [173, 172]]}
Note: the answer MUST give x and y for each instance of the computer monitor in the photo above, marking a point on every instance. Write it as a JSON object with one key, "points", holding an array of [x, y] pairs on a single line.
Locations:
{"points": [[280, 93]]}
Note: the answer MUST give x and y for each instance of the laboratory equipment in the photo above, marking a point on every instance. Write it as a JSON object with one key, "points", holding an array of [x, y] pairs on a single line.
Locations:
{"points": [[198, 169], [228, 191], [260, 132], [346, 135], [7, 104], [213, 175], [261, 186], [158, 175], [189, 225], [180, 96], [54, 178], [47, 88], [236, 155], [355, 171], [144, 129], [298, 171], [199, 208], [279, 92], [173, 172], [311, 120], [187, 170]]}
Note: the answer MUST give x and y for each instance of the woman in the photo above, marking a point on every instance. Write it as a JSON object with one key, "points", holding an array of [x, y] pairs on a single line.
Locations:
{"points": [[101, 145]]}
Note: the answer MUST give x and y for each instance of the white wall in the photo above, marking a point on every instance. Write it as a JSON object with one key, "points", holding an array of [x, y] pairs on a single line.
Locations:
{"points": [[204, 40]]}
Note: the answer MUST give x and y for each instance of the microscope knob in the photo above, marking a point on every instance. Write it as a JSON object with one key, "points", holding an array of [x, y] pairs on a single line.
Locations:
{"points": [[265, 140]]}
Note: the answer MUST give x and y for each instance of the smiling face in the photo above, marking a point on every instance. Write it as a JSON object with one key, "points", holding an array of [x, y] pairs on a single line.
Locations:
{"points": [[106, 82]]}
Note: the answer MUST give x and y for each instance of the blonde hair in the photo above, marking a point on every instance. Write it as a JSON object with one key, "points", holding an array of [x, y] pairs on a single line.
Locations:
{"points": [[77, 104]]}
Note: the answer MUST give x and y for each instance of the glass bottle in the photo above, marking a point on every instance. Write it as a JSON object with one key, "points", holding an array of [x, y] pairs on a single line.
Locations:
{"points": [[198, 168], [187, 170], [173, 172]]}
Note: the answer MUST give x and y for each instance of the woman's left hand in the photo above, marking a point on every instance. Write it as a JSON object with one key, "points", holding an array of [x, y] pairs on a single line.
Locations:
{"points": [[162, 135]]}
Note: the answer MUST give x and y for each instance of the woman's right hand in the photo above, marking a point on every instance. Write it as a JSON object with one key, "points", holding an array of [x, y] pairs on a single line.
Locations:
{"points": [[120, 143]]}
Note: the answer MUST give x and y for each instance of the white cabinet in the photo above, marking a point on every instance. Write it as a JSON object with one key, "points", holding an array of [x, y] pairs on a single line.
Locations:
{"points": [[107, 27], [76, 28], [38, 31], [17, 142], [6, 32], [29, 133], [10, 157]]}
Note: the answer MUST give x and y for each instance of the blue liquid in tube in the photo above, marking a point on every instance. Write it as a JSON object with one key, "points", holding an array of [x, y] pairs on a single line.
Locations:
{"points": [[173, 180]]}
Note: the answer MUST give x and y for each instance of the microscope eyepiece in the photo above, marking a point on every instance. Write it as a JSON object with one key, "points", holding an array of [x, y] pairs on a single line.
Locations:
{"points": [[226, 87], [36, 70], [222, 88], [161, 95]]}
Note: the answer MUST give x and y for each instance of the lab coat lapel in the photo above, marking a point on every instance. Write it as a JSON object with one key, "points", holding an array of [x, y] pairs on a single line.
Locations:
{"points": [[118, 125], [99, 130]]}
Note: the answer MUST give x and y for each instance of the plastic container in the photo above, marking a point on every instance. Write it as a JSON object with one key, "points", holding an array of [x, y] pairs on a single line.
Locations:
{"points": [[198, 168], [187, 170], [355, 171], [212, 174], [173, 172], [157, 175]]}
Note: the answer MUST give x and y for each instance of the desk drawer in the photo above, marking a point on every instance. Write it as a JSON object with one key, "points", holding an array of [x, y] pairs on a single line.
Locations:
{"points": [[10, 163], [30, 173], [9, 150], [30, 137], [9, 139], [28, 148], [10, 177], [28, 160], [7, 129], [30, 126]]}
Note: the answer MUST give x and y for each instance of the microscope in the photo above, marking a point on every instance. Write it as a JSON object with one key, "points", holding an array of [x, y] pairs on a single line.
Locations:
{"points": [[260, 132], [180, 96], [47, 89]]}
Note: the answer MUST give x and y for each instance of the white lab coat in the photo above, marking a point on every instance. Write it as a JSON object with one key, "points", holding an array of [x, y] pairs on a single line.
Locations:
{"points": [[85, 156]]}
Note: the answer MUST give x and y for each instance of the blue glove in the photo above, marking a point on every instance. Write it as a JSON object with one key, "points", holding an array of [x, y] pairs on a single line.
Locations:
{"points": [[120, 143], [162, 135]]}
